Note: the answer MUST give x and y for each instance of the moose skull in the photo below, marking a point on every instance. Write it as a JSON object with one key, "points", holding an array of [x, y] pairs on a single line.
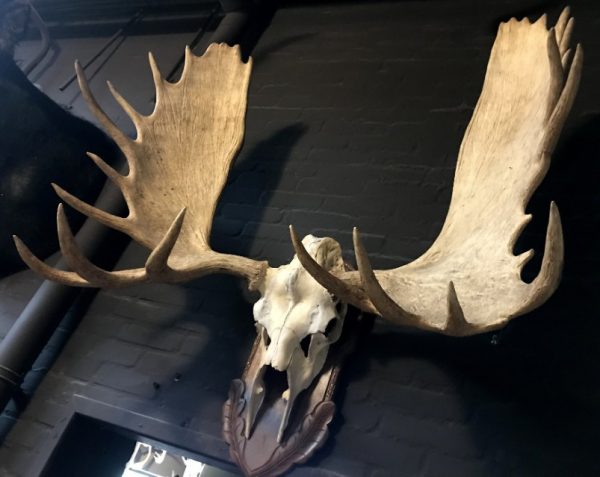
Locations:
{"points": [[297, 320]]}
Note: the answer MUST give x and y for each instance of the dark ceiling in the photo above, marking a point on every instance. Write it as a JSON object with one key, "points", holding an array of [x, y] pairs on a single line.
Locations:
{"points": [[103, 17], [68, 10], [83, 18]]}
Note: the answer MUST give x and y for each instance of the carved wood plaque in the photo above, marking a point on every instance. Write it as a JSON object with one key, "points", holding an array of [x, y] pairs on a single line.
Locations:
{"points": [[261, 455]]}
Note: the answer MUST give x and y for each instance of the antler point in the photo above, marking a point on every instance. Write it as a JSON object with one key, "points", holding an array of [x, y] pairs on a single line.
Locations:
{"points": [[181, 215], [58, 190], [22, 249], [542, 20], [457, 322], [295, 239], [358, 241], [61, 219]]}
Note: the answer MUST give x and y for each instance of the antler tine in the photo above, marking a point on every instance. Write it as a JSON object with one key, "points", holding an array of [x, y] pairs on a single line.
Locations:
{"points": [[188, 58], [96, 276], [157, 260], [111, 173], [549, 275], [117, 223], [157, 78], [85, 273], [457, 324], [566, 58], [386, 307], [46, 271], [561, 23], [564, 29], [122, 140], [338, 287], [566, 37], [557, 74], [565, 101], [543, 18], [135, 117]]}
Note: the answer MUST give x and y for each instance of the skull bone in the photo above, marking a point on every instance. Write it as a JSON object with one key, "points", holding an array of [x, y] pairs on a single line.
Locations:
{"points": [[297, 321]]}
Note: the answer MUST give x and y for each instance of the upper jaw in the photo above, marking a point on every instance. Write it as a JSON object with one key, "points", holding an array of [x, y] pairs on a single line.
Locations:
{"points": [[300, 371]]}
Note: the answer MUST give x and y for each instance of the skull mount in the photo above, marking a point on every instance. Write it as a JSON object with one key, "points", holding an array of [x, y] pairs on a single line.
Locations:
{"points": [[297, 320]]}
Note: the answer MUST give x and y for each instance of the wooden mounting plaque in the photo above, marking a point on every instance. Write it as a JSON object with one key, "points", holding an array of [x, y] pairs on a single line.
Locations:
{"points": [[261, 455]]}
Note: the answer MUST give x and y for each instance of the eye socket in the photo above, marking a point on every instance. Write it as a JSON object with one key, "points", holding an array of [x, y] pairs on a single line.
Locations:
{"points": [[330, 327], [305, 344]]}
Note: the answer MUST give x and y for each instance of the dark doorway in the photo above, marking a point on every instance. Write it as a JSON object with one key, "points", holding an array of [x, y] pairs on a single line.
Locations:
{"points": [[92, 448]]}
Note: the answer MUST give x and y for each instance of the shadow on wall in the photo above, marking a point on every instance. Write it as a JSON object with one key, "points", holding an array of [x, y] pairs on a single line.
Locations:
{"points": [[529, 393]]}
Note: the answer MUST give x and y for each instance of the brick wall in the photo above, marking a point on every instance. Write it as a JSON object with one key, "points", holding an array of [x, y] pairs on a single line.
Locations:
{"points": [[356, 114]]}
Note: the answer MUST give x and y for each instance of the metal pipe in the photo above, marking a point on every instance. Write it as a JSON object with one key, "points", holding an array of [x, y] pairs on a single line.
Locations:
{"points": [[244, 23], [103, 48], [231, 28]]}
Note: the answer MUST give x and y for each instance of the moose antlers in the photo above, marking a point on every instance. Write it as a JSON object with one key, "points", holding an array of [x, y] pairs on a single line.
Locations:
{"points": [[178, 165], [469, 280]]}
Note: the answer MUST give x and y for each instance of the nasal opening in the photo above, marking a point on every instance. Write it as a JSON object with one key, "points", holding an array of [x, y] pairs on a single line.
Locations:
{"points": [[275, 383]]}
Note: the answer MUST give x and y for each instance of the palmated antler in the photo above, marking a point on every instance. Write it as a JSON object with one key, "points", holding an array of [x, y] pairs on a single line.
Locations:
{"points": [[469, 281], [178, 165]]}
